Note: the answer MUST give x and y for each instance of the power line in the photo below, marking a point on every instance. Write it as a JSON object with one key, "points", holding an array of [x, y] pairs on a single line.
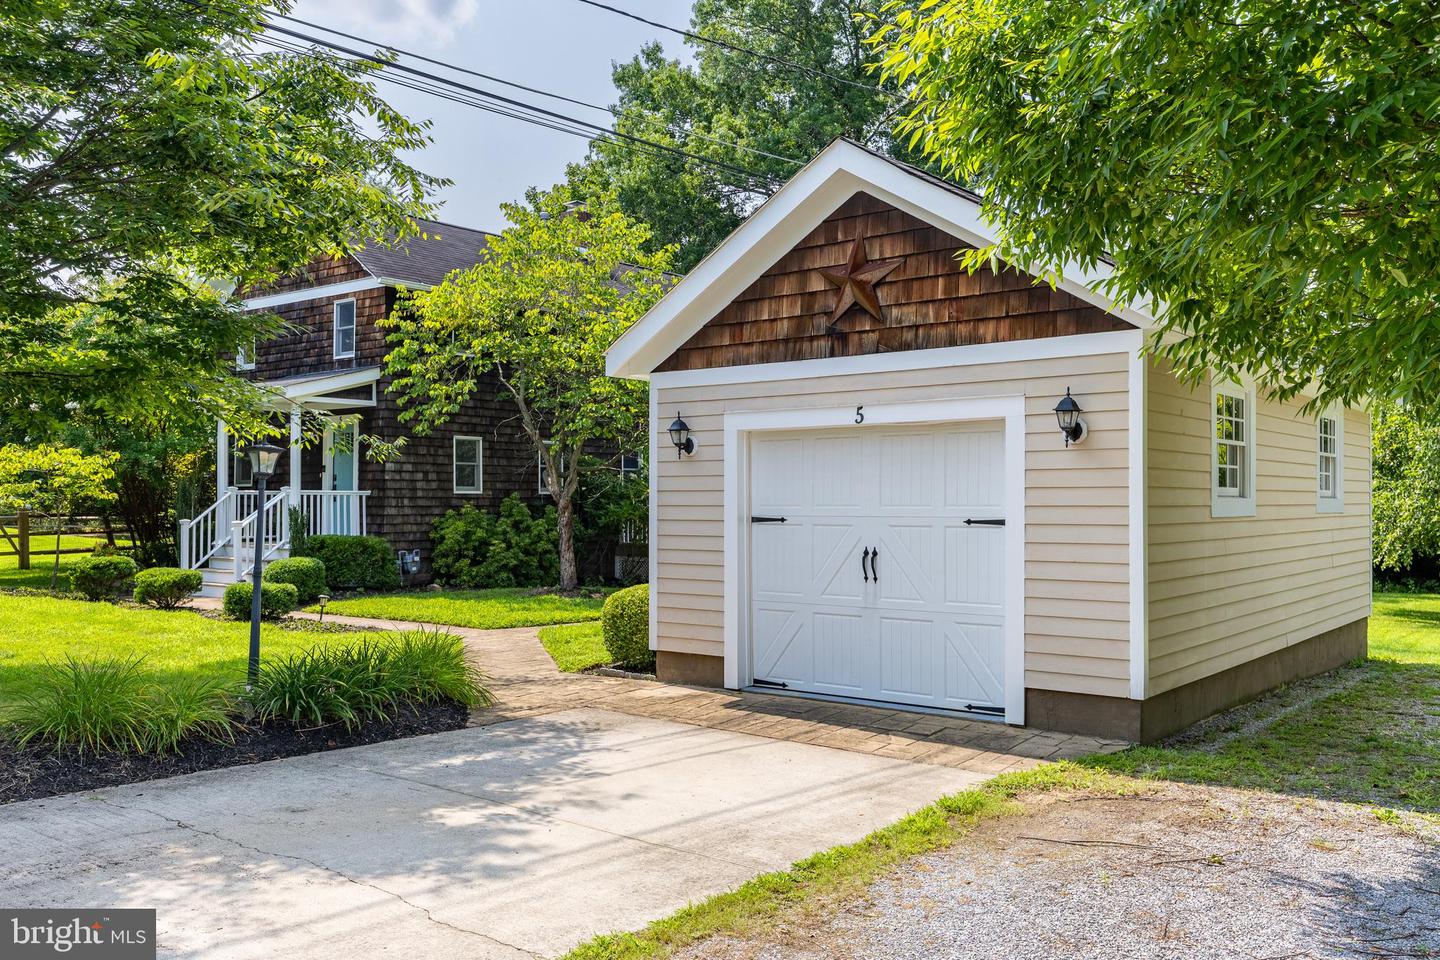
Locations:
{"points": [[535, 90], [737, 48]]}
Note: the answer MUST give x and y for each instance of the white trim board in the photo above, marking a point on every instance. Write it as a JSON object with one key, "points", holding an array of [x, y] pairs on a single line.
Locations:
{"points": [[1138, 428], [841, 170], [328, 290], [737, 429]]}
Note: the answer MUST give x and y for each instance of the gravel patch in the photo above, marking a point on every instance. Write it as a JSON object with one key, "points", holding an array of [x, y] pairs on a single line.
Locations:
{"points": [[1185, 872]]}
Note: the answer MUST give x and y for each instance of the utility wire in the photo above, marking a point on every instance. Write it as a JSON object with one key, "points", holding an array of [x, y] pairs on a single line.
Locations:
{"points": [[535, 90], [737, 48]]}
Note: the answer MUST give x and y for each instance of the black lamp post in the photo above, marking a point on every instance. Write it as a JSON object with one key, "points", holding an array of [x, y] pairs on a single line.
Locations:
{"points": [[263, 458], [680, 436]]}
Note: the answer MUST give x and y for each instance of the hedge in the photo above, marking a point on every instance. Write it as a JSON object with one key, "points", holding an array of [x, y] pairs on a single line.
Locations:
{"points": [[99, 577], [625, 626], [305, 574], [354, 563], [276, 600], [166, 587]]}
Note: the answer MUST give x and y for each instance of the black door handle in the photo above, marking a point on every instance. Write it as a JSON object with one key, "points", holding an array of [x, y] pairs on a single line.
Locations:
{"points": [[863, 557], [874, 570]]}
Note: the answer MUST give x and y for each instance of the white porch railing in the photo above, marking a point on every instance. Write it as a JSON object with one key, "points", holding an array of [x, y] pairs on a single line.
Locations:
{"points": [[334, 511], [277, 533]]}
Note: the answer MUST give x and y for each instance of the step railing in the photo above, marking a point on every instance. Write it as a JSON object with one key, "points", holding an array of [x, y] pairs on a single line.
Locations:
{"points": [[276, 533], [203, 536]]}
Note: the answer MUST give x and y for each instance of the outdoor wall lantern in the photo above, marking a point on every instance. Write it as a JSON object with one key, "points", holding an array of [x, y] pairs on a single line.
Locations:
{"points": [[680, 436], [1067, 412]]}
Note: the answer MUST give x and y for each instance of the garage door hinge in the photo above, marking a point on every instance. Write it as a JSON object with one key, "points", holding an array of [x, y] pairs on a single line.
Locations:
{"points": [[970, 522], [767, 519], [996, 711], [770, 683]]}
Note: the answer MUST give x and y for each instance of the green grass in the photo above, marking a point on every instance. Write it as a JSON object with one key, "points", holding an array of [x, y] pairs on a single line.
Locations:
{"points": [[575, 646], [820, 882], [1373, 739], [480, 609], [38, 576], [179, 647]]}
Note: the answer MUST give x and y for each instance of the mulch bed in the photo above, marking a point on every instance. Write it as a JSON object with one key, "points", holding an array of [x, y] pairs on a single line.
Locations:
{"points": [[36, 770]]}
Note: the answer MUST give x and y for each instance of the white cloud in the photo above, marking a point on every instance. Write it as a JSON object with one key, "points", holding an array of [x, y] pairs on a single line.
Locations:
{"points": [[426, 23]]}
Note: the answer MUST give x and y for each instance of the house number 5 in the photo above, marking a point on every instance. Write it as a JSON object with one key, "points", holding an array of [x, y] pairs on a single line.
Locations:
{"points": [[860, 413]]}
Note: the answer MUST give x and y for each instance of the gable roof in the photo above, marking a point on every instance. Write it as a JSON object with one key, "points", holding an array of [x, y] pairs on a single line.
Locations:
{"points": [[838, 172], [424, 261]]}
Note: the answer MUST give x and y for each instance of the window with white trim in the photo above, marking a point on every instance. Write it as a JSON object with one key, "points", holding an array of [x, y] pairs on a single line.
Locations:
{"points": [[631, 465], [245, 356], [344, 329], [1329, 462], [542, 472], [1232, 467], [242, 470], [469, 468]]}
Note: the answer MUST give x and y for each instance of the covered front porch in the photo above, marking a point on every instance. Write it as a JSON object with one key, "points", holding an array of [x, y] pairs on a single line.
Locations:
{"points": [[221, 539]]}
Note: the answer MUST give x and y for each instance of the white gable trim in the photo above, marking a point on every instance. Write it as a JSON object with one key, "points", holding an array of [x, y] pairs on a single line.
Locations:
{"points": [[328, 290], [841, 170]]}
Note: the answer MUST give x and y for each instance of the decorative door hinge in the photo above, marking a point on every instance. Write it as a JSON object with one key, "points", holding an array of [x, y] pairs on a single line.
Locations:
{"points": [[767, 519]]}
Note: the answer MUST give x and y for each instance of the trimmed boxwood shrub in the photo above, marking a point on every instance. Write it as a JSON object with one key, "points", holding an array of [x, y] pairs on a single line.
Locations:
{"points": [[99, 577], [625, 626], [276, 600], [166, 587], [305, 574], [354, 563]]}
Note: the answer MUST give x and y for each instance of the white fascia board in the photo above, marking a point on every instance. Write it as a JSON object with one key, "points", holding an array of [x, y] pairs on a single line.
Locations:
{"points": [[840, 171], [328, 290], [300, 390]]}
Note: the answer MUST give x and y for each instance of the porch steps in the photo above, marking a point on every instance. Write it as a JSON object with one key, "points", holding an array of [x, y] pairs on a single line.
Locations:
{"points": [[219, 573]]}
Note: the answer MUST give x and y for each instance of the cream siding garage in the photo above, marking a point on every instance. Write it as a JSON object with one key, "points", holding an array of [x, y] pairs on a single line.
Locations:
{"points": [[1226, 590], [1077, 574]]}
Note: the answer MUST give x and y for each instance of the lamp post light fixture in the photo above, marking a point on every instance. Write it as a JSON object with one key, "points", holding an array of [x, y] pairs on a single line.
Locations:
{"points": [[263, 458], [1067, 412], [680, 436]]}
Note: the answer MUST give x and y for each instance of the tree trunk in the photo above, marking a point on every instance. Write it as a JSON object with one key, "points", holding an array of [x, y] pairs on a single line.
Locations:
{"points": [[565, 522]]}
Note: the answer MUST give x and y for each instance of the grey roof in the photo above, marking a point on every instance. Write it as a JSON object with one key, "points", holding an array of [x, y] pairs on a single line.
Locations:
{"points": [[426, 260]]}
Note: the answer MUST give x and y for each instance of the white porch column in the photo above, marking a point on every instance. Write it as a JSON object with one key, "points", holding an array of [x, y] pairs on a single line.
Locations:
{"points": [[294, 499], [222, 459]]}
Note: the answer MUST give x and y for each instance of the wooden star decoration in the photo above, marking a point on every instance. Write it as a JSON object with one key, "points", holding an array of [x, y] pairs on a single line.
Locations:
{"points": [[857, 280]]}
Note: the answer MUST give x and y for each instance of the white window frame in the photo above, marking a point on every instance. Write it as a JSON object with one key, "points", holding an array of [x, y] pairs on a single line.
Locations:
{"points": [[1225, 502], [637, 469], [455, 463], [335, 328], [541, 487], [245, 356], [1334, 502], [241, 464]]}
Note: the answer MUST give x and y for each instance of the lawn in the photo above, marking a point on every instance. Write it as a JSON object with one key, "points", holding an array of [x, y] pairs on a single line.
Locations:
{"points": [[38, 576], [575, 646], [175, 644], [480, 609]]}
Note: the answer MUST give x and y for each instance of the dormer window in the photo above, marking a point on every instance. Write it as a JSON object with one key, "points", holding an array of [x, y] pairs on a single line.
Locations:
{"points": [[344, 329]]}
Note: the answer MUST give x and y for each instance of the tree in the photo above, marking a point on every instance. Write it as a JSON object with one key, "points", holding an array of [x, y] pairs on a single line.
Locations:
{"points": [[1266, 171], [555, 289], [808, 86], [146, 144], [1406, 487], [53, 481]]}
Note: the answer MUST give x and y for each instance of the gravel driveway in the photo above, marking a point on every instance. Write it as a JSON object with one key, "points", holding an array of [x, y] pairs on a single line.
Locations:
{"points": [[1186, 873]]}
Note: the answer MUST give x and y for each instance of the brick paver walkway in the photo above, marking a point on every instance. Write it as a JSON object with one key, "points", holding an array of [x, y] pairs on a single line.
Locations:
{"points": [[527, 683]]}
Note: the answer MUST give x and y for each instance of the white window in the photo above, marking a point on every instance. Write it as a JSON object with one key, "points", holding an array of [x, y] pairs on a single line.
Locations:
{"points": [[1232, 468], [245, 357], [1330, 462], [469, 475], [631, 465], [542, 472], [344, 329], [242, 470]]}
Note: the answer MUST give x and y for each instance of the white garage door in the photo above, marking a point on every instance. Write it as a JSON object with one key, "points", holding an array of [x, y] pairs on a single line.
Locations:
{"points": [[886, 579]]}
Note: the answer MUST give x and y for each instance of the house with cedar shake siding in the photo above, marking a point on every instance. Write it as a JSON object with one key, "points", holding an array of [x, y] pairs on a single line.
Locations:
{"points": [[332, 360], [878, 477]]}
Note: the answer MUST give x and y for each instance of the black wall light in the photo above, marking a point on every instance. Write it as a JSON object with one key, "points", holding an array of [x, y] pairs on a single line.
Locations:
{"points": [[680, 436], [1067, 412]]}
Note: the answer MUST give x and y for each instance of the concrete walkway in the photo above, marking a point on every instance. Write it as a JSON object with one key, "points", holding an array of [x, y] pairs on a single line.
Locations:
{"points": [[510, 840]]}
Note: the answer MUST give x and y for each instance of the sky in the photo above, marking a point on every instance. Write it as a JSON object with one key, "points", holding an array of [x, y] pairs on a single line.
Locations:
{"points": [[556, 45]]}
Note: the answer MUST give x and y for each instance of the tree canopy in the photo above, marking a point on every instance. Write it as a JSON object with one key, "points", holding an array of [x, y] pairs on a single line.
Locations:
{"points": [[554, 291], [147, 146], [1266, 171], [783, 79]]}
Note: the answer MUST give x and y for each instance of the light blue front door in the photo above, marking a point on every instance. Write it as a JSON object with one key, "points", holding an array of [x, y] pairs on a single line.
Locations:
{"points": [[341, 476]]}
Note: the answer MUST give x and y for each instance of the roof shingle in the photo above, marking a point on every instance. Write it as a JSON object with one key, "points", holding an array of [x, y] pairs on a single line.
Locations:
{"points": [[427, 260]]}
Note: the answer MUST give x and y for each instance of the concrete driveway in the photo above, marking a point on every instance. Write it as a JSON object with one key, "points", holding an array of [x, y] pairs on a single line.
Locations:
{"points": [[514, 840]]}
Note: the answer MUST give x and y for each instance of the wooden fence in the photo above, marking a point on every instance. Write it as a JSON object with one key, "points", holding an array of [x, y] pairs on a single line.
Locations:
{"points": [[20, 538]]}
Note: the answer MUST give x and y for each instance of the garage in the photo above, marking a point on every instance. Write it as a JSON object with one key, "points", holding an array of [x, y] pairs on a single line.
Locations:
{"points": [[877, 564]]}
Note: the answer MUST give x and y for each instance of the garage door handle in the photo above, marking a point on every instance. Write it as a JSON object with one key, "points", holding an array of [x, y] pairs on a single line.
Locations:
{"points": [[863, 557], [874, 570]]}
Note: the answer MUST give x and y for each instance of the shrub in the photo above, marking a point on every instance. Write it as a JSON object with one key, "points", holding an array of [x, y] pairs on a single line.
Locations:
{"points": [[305, 574], [166, 587], [367, 680], [512, 548], [99, 577], [364, 563], [625, 626], [276, 600], [110, 705]]}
